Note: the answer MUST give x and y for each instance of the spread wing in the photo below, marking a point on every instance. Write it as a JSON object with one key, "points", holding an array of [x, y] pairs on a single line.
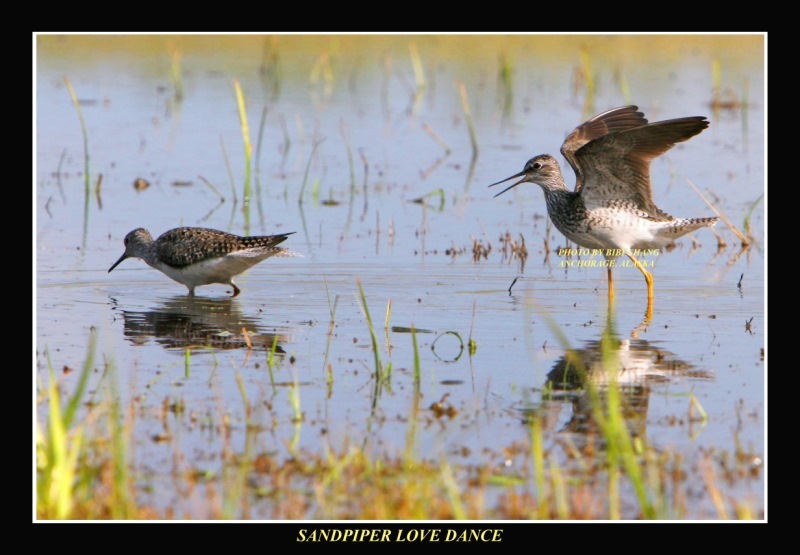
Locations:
{"points": [[612, 121], [616, 165]]}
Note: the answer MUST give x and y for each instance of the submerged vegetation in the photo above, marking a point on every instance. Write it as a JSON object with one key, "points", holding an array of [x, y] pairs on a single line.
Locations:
{"points": [[85, 467]]}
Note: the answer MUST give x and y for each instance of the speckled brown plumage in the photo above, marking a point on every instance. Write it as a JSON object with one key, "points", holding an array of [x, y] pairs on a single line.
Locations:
{"points": [[183, 246], [200, 256], [612, 207]]}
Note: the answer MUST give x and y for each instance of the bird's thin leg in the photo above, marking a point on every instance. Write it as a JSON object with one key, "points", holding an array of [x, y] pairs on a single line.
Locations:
{"points": [[610, 286], [648, 277], [648, 314], [643, 325]]}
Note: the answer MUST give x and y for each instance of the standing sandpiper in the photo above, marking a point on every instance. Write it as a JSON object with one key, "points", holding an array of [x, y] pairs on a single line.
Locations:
{"points": [[199, 256], [612, 206]]}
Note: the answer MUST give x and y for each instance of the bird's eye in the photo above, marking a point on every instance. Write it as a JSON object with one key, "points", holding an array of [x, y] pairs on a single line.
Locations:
{"points": [[537, 166]]}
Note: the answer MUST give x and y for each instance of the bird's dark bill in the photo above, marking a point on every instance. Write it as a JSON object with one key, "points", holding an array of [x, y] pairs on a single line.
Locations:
{"points": [[121, 258], [520, 174]]}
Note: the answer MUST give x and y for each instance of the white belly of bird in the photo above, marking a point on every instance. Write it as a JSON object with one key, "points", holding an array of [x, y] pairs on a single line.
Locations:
{"points": [[215, 270], [612, 229]]}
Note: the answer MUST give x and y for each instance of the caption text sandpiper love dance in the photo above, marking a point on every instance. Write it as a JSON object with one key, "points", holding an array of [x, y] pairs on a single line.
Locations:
{"points": [[400, 535]]}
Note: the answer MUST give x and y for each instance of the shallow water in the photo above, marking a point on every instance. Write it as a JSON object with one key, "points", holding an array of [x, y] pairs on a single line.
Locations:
{"points": [[377, 153]]}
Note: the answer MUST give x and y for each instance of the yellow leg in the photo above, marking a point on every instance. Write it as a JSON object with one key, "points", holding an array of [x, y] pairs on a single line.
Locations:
{"points": [[610, 290], [649, 279]]}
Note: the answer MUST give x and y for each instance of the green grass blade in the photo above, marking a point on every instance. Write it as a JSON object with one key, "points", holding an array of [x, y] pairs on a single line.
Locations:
{"points": [[248, 149]]}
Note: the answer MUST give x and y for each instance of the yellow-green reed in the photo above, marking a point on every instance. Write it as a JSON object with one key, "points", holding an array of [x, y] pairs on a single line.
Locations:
{"points": [[57, 452], [80, 388], [231, 180], [294, 399], [416, 64], [413, 417], [710, 480], [452, 489], [586, 78], [379, 370], [468, 115], [436, 193], [323, 70], [748, 215], [315, 191], [122, 503], [269, 69], [745, 241], [65, 479], [308, 169], [696, 405], [386, 72], [243, 393], [86, 182], [58, 447], [716, 79], [352, 486], [365, 164], [505, 81], [335, 473], [559, 489], [743, 105], [386, 327], [624, 85], [331, 327], [212, 187], [271, 360], [537, 457], [388, 314], [97, 187], [261, 125], [176, 74], [472, 345], [234, 484], [621, 453], [248, 150], [439, 141], [417, 367], [350, 164], [419, 77]]}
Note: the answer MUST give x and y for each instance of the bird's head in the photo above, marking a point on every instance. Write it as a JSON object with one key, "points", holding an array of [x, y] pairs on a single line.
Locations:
{"points": [[540, 169]]}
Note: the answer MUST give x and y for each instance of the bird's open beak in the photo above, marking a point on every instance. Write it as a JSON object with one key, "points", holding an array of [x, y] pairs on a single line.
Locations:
{"points": [[516, 175], [121, 258]]}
